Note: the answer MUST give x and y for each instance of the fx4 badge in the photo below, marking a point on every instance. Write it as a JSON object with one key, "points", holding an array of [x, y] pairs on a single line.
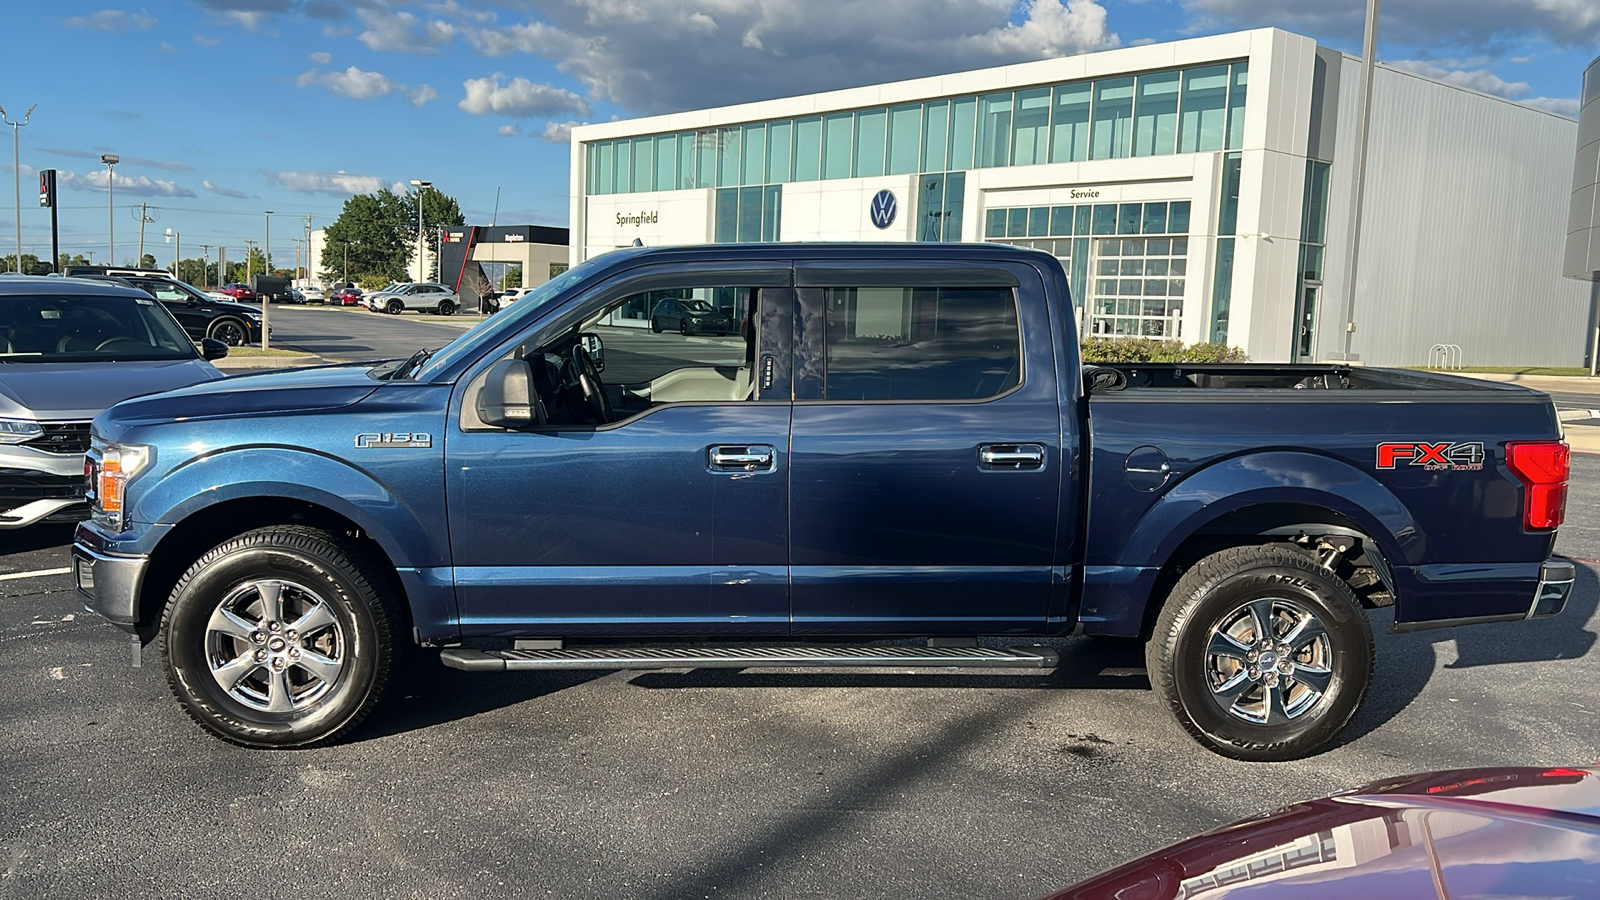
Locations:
{"points": [[395, 439], [1465, 456]]}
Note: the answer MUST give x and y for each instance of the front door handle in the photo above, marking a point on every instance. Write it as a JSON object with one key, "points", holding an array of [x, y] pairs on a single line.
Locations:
{"points": [[741, 458], [1009, 457]]}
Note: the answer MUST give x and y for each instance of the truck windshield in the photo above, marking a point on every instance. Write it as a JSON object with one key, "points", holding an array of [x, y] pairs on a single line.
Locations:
{"points": [[67, 328], [527, 308]]}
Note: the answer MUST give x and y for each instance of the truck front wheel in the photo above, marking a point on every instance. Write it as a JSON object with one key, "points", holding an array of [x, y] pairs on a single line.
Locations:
{"points": [[1261, 654], [280, 637]]}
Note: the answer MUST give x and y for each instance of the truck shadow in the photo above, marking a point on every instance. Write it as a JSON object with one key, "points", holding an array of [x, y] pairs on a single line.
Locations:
{"points": [[1407, 662], [36, 537], [434, 694]]}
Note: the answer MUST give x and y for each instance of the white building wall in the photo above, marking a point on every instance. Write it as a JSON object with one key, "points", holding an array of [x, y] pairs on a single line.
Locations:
{"points": [[1465, 217]]}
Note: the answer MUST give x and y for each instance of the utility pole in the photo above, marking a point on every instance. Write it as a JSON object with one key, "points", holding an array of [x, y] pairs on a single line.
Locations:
{"points": [[16, 171], [111, 160], [1369, 63], [309, 264], [222, 266], [249, 259], [144, 217], [266, 264], [205, 263]]}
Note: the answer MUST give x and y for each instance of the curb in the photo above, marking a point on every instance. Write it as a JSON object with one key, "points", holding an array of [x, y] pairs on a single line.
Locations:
{"points": [[245, 363], [1577, 415]]}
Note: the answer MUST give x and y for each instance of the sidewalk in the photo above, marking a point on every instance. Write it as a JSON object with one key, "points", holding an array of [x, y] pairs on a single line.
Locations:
{"points": [[247, 363]]}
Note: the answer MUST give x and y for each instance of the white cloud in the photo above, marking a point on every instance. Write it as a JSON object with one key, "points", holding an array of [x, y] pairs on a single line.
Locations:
{"points": [[420, 95], [397, 31], [321, 57], [519, 99], [509, 130], [135, 185], [558, 132], [110, 20], [168, 48], [1447, 70], [1434, 23], [204, 41], [339, 184], [221, 191], [1561, 106], [739, 50], [360, 84], [249, 19]]}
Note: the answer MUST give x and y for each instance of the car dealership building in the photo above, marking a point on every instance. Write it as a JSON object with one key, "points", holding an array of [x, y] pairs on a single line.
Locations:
{"points": [[1199, 190]]}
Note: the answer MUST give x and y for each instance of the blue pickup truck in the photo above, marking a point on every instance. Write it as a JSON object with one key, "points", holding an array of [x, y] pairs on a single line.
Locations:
{"points": [[897, 459]]}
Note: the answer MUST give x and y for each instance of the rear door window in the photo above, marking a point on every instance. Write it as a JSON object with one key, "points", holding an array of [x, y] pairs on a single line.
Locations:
{"points": [[921, 343]]}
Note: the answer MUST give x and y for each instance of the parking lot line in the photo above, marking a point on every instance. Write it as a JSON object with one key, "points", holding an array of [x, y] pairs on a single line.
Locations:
{"points": [[37, 573]]}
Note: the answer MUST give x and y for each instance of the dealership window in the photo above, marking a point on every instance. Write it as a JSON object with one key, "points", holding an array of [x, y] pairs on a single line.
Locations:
{"points": [[1139, 252], [1227, 226], [1155, 118], [1193, 110], [941, 197], [748, 214], [915, 343]]}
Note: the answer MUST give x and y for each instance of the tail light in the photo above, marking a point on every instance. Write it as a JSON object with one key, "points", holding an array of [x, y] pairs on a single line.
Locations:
{"points": [[1543, 468]]}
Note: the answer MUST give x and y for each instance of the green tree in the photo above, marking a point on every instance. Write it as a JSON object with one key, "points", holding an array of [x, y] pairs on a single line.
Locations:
{"points": [[147, 261], [30, 264], [76, 259], [378, 234], [198, 272]]}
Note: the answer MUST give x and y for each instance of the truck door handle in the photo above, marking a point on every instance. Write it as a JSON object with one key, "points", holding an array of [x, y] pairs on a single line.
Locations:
{"points": [[1007, 457], [741, 458]]}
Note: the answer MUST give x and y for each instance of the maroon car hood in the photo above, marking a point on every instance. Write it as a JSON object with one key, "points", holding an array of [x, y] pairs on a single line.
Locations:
{"points": [[1466, 833]]}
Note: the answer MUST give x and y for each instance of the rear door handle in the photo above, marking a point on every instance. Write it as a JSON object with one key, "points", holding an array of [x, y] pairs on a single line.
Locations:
{"points": [[1011, 457], [741, 458]]}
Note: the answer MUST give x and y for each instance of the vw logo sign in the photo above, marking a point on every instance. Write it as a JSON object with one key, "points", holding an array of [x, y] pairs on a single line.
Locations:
{"points": [[883, 208]]}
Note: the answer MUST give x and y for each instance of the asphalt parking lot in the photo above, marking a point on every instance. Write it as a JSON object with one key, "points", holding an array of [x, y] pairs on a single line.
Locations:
{"points": [[852, 783]]}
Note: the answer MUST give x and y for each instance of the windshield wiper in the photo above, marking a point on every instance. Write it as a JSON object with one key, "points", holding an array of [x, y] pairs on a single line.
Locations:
{"points": [[411, 364]]}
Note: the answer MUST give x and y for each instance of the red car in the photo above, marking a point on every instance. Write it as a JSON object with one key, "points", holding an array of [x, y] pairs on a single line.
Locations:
{"points": [[239, 291], [347, 296]]}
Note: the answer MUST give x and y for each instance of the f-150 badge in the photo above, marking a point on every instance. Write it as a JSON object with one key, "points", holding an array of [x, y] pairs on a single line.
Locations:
{"points": [[393, 439], [1466, 456]]}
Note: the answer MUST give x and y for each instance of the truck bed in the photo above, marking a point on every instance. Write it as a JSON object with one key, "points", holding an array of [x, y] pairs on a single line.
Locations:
{"points": [[1273, 376]]}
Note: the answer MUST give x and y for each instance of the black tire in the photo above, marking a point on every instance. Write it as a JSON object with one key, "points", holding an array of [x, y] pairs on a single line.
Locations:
{"points": [[447, 307], [683, 326], [357, 624], [229, 331], [395, 307], [1206, 645], [655, 325]]}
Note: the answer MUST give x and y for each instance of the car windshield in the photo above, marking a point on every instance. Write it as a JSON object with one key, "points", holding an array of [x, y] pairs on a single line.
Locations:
{"points": [[67, 328], [526, 310], [697, 306]]}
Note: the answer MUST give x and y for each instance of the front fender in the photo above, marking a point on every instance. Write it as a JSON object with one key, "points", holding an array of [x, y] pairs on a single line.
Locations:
{"points": [[1274, 477], [270, 471]]}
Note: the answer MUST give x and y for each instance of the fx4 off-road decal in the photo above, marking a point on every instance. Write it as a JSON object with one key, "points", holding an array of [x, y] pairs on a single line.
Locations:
{"points": [[1464, 456]]}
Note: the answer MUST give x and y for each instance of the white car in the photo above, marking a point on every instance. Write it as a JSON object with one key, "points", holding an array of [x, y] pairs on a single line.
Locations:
{"points": [[313, 295], [422, 297]]}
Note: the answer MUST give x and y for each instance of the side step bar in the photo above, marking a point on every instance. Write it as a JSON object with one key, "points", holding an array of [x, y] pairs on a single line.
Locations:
{"points": [[745, 658]]}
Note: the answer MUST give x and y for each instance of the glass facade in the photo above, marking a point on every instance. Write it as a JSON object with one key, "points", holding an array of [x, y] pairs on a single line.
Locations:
{"points": [[1130, 260], [1227, 227], [1191, 110], [747, 214]]}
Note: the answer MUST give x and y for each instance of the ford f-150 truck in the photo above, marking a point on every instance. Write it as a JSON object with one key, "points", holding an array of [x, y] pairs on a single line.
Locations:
{"points": [[897, 460]]}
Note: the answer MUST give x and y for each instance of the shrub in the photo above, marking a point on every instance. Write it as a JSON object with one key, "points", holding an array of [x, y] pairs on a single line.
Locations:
{"points": [[1132, 350]]}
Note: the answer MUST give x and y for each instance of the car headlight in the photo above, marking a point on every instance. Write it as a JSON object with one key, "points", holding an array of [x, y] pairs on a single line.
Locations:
{"points": [[109, 467], [16, 431]]}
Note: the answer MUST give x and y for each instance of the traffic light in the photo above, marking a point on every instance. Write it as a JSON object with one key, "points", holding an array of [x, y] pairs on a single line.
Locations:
{"points": [[47, 188]]}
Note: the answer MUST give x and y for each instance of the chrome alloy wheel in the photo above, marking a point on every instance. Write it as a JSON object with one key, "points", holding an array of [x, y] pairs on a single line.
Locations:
{"points": [[275, 646], [1269, 661]]}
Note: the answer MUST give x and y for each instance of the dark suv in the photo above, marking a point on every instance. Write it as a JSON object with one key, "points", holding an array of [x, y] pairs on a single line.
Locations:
{"points": [[689, 317], [200, 314]]}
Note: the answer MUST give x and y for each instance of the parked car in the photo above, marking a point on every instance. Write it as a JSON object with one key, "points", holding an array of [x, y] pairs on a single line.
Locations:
{"points": [[347, 296], [312, 295], [689, 317], [69, 348], [201, 315], [1493, 832], [239, 291], [422, 297], [906, 446]]}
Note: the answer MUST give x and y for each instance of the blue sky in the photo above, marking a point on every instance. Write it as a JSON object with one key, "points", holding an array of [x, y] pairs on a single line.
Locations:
{"points": [[221, 109]]}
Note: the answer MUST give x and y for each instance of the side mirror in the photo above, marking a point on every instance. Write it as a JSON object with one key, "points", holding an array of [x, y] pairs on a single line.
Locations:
{"points": [[508, 398], [597, 350], [211, 348]]}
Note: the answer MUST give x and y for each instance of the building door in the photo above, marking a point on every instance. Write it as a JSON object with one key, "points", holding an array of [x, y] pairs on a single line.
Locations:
{"points": [[1305, 323]]}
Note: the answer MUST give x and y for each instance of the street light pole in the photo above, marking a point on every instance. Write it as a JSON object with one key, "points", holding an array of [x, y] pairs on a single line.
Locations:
{"points": [[177, 251], [1369, 64], [266, 252], [16, 170], [111, 160], [422, 241]]}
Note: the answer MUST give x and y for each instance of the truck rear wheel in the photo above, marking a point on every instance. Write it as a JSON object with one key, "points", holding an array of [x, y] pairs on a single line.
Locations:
{"points": [[281, 637], [1261, 654]]}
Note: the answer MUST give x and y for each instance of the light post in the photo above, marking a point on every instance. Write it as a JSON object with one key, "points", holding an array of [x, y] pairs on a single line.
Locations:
{"points": [[266, 253], [16, 170], [422, 241], [111, 160], [177, 251]]}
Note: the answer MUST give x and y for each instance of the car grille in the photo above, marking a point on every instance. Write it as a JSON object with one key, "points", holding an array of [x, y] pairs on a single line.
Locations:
{"points": [[66, 438], [24, 486]]}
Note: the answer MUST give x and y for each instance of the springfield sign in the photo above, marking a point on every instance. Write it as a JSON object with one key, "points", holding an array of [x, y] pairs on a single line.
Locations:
{"points": [[637, 219]]}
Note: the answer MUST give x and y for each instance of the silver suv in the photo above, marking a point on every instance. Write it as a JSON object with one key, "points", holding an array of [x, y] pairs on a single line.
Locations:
{"points": [[422, 296], [70, 348]]}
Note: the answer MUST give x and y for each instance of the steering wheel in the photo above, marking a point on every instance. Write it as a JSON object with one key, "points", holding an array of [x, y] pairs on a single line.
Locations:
{"points": [[586, 377]]}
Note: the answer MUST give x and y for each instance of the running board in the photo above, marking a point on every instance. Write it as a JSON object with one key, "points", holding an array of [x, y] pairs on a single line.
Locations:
{"points": [[746, 658]]}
